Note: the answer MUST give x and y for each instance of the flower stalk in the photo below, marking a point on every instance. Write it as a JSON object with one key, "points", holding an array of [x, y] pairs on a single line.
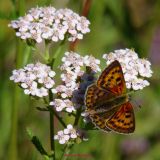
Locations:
{"points": [[66, 151], [46, 55], [51, 134]]}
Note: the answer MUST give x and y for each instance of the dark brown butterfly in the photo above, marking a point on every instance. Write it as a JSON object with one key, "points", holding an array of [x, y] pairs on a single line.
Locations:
{"points": [[107, 102]]}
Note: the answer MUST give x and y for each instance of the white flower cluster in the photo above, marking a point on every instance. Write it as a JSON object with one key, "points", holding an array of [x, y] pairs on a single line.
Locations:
{"points": [[51, 24], [60, 104], [35, 79], [135, 69], [72, 68], [67, 134]]}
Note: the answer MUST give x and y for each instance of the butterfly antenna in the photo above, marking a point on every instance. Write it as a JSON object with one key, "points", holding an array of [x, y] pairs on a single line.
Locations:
{"points": [[136, 103]]}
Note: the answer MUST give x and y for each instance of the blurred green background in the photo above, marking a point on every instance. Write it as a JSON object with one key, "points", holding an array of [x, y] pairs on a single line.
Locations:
{"points": [[114, 25]]}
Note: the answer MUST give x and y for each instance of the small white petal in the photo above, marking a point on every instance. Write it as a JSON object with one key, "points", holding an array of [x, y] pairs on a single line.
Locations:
{"points": [[69, 126], [66, 131], [62, 141], [73, 136], [24, 85], [55, 137]]}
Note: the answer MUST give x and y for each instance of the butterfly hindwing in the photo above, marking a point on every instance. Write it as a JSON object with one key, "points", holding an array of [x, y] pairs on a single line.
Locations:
{"points": [[112, 79], [99, 122], [99, 119], [123, 120]]}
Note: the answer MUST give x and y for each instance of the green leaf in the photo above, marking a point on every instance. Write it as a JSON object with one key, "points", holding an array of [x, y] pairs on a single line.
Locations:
{"points": [[42, 109], [36, 142]]}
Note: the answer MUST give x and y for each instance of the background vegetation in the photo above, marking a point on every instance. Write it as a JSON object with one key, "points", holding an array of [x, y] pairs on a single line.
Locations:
{"points": [[114, 25]]}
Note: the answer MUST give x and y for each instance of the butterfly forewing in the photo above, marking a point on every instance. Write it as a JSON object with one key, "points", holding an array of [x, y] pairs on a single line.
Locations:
{"points": [[94, 96], [123, 120], [112, 79]]}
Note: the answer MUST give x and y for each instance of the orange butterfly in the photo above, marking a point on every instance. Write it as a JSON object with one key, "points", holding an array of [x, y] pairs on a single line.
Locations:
{"points": [[107, 102]]}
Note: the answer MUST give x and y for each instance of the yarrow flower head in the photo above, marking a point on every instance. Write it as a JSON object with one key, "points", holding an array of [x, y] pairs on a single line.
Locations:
{"points": [[60, 104], [135, 69], [75, 81], [67, 134], [61, 137], [72, 68], [35, 79], [47, 23], [70, 131]]}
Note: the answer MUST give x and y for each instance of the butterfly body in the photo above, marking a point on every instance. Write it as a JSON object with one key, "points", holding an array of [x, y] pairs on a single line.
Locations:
{"points": [[113, 102], [107, 102]]}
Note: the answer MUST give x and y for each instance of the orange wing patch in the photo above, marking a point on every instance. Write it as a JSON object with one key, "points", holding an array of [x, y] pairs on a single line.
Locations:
{"points": [[112, 79], [99, 119], [123, 121], [99, 122]]}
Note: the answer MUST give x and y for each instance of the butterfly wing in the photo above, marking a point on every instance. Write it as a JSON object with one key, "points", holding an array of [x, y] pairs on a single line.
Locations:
{"points": [[112, 79], [94, 96], [123, 120], [99, 119], [99, 122]]}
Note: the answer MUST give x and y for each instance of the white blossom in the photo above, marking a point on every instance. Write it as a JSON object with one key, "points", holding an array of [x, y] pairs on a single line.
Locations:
{"points": [[65, 91], [70, 131], [69, 106], [134, 68], [61, 137], [71, 58], [51, 24], [41, 92], [18, 75], [144, 68], [60, 104], [35, 79], [92, 62], [72, 68]]}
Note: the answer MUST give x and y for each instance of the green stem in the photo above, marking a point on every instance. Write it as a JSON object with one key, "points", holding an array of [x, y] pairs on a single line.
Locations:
{"points": [[52, 127], [51, 113], [27, 55], [78, 115], [46, 56], [60, 119], [66, 151], [52, 133], [58, 51], [57, 116]]}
